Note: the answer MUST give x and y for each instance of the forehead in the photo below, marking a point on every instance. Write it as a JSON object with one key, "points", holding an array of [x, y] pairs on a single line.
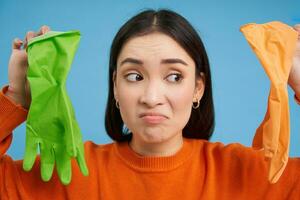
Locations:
{"points": [[153, 46]]}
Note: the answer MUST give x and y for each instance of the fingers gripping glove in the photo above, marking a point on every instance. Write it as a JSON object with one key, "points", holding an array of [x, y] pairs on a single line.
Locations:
{"points": [[51, 123], [274, 43]]}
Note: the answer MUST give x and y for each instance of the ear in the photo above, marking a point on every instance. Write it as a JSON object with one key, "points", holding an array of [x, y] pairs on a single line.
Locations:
{"points": [[200, 86], [115, 84]]}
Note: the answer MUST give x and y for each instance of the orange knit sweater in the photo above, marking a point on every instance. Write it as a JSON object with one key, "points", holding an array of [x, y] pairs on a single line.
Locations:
{"points": [[199, 170]]}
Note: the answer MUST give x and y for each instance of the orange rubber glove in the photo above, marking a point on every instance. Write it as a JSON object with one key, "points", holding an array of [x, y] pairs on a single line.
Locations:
{"points": [[274, 44]]}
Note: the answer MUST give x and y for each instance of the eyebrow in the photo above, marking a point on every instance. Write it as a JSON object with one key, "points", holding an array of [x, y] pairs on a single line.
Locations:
{"points": [[163, 61]]}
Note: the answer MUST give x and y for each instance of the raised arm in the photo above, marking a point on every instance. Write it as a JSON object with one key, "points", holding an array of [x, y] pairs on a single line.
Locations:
{"points": [[12, 114], [274, 43], [15, 101], [294, 77], [15, 98]]}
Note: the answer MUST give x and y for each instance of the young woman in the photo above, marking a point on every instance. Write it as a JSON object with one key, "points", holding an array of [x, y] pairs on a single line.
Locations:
{"points": [[160, 91]]}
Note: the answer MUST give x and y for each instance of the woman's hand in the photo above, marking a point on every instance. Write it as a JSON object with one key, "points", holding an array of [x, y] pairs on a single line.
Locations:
{"points": [[294, 77], [19, 88]]}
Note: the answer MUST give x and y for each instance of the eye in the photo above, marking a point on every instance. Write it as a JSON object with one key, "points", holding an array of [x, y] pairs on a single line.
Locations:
{"points": [[177, 77], [132, 77]]}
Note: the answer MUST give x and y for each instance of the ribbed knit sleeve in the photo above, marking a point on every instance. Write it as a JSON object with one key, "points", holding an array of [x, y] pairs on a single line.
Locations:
{"points": [[11, 115]]}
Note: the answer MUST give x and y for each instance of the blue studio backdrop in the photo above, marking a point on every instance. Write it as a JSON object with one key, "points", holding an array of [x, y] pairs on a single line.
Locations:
{"points": [[240, 86]]}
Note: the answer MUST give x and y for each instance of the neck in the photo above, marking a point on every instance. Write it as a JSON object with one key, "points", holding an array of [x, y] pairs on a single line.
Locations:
{"points": [[166, 148]]}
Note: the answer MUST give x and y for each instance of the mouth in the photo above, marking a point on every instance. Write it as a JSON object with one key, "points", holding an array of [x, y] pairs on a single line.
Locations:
{"points": [[153, 118]]}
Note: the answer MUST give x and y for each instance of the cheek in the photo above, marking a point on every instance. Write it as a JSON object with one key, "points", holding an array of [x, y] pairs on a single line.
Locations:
{"points": [[181, 102], [181, 97], [128, 99]]}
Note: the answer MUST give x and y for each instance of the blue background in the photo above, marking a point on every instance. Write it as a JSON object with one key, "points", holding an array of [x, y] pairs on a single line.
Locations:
{"points": [[240, 86]]}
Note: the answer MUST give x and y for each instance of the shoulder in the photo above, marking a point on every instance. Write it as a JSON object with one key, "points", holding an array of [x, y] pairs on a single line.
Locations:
{"points": [[236, 151], [234, 161], [219, 148], [98, 152], [92, 148], [233, 153]]}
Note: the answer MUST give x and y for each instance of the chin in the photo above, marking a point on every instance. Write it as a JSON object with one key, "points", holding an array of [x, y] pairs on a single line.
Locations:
{"points": [[155, 137]]}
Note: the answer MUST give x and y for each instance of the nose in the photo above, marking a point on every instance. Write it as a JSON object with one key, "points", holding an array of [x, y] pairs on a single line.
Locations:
{"points": [[153, 94]]}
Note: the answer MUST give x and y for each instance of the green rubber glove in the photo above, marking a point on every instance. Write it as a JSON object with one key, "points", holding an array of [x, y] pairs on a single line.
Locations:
{"points": [[51, 124]]}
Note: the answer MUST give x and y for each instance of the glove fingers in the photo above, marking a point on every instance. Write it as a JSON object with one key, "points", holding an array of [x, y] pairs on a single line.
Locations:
{"points": [[70, 123], [47, 161], [30, 153], [81, 161], [63, 165]]}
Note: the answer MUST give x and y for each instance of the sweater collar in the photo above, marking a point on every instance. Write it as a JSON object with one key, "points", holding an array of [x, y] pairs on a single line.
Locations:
{"points": [[154, 163]]}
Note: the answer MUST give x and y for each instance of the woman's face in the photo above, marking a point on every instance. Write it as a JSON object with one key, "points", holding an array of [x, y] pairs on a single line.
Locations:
{"points": [[155, 75]]}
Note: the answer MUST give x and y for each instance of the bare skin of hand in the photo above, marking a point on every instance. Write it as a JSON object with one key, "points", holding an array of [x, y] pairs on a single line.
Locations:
{"points": [[19, 88], [294, 77]]}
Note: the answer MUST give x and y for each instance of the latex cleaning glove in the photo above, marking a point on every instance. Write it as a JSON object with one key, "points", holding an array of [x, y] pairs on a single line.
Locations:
{"points": [[274, 44], [51, 125]]}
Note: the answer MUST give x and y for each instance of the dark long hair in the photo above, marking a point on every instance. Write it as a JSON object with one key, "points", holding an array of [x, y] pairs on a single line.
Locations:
{"points": [[202, 120]]}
